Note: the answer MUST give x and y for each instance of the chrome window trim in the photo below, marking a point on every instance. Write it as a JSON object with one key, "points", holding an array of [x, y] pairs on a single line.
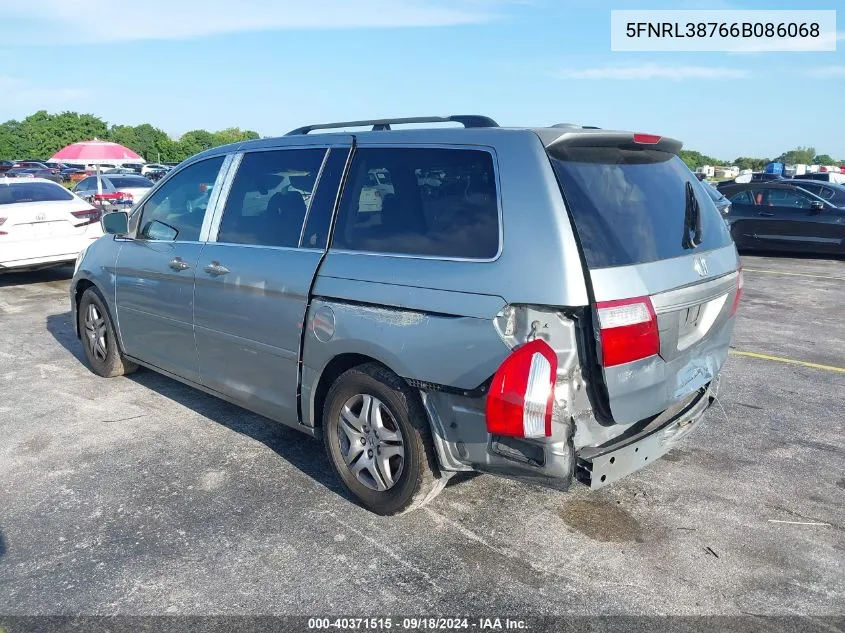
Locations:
{"points": [[230, 167], [208, 210], [413, 145]]}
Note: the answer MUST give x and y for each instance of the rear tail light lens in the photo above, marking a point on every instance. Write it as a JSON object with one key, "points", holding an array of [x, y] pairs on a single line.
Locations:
{"points": [[739, 284], [90, 216], [521, 395], [628, 330]]}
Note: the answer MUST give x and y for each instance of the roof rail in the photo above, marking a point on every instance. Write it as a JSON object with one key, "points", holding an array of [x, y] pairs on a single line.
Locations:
{"points": [[468, 120], [583, 127]]}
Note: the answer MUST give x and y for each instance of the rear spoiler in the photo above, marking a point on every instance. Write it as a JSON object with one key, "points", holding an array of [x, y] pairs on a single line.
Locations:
{"points": [[602, 138]]}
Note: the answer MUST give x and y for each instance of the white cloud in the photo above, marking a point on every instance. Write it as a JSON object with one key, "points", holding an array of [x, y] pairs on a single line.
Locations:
{"points": [[827, 72], [21, 95], [654, 71], [52, 22]]}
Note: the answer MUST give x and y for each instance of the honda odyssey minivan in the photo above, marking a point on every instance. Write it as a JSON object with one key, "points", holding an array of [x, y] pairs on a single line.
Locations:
{"points": [[559, 307]]}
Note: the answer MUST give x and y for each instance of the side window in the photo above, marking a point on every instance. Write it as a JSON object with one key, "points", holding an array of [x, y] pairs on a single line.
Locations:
{"points": [[786, 198], [321, 209], [269, 197], [743, 197], [420, 201], [176, 210], [86, 184]]}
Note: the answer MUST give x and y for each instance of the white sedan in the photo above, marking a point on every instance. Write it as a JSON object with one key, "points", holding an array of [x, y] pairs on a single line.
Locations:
{"points": [[43, 224], [132, 187]]}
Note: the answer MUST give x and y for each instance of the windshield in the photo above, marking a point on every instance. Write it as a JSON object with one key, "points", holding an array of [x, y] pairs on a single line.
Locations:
{"points": [[628, 205]]}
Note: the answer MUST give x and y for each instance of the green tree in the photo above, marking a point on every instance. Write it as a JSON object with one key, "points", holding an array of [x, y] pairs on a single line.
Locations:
{"points": [[233, 135], [695, 159], [754, 164], [194, 142], [824, 159], [798, 156]]}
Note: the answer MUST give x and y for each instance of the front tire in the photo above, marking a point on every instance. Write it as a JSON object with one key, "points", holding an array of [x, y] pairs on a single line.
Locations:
{"points": [[378, 439], [99, 339]]}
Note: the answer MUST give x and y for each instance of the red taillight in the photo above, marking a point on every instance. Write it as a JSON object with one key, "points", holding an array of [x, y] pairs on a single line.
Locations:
{"points": [[91, 216], [739, 284], [521, 395], [646, 139], [628, 329]]}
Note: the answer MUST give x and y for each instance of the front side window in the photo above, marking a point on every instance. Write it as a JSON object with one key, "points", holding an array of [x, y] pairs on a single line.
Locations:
{"points": [[269, 198], [390, 206], [177, 209], [785, 198], [743, 197]]}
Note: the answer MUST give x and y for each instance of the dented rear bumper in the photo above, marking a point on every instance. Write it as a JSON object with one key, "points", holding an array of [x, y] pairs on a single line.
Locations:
{"points": [[598, 466]]}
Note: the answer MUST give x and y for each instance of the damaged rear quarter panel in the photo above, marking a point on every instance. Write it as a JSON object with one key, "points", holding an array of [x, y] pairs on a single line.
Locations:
{"points": [[436, 344]]}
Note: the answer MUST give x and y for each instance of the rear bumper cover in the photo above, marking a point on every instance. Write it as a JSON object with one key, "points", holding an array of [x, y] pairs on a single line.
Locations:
{"points": [[598, 466]]}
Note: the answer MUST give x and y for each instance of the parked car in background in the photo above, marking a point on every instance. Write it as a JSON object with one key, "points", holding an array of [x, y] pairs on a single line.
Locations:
{"points": [[6, 165], [42, 224], [156, 174], [72, 172], [34, 172], [492, 327], [826, 176], [781, 216], [832, 192], [721, 202], [153, 167], [121, 170], [133, 187], [135, 167]]}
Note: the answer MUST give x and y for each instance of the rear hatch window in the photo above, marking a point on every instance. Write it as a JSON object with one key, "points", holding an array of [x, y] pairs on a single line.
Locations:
{"points": [[629, 205], [33, 192]]}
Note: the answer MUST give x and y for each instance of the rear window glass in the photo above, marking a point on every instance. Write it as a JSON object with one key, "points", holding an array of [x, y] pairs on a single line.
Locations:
{"points": [[33, 192], [130, 181], [433, 202], [628, 205]]}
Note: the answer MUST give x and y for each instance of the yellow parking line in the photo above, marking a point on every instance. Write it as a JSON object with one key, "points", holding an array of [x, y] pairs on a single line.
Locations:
{"points": [[779, 272], [790, 361]]}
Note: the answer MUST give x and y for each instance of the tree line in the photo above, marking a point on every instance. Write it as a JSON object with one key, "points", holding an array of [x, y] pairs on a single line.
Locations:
{"points": [[797, 156], [41, 135]]}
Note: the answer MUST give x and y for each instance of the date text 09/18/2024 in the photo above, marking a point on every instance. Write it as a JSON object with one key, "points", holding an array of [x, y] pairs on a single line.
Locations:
{"points": [[432, 623]]}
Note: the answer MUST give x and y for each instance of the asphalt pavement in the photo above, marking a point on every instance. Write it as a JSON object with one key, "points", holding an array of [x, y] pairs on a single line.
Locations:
{"points": [[139, 495]]}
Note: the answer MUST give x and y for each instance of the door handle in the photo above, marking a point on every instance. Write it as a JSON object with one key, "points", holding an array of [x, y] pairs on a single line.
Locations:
{"points": [[766, 214], [215, 269], [178, 264]]}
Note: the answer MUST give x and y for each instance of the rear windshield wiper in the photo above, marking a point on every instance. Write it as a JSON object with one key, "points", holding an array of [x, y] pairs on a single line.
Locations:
{"points": [[692, 219]]}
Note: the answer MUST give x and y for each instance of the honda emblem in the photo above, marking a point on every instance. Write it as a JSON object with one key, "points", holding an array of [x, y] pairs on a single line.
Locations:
{"points": [[700, 266]]}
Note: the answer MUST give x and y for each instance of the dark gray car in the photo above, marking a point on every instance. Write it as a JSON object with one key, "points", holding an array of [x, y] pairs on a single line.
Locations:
{"points": [[559, 306]]}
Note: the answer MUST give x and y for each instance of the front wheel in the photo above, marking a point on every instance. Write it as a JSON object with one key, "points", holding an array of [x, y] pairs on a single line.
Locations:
{"points": [[378, 439], [99, 339]]}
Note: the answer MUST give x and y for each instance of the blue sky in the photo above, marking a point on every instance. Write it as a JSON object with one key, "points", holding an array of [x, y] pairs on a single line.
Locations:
{"points": [[271, 65]]}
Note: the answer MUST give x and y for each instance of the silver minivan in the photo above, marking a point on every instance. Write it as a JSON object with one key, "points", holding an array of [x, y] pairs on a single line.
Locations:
{"points": [[549, 304]]}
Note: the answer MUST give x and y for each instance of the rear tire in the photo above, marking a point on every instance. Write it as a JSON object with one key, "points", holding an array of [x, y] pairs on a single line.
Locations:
{"points": [[99, 339], [378, 439]]}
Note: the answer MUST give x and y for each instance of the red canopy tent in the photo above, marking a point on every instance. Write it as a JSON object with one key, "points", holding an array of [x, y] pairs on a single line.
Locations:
{"points": [[95, 152]]}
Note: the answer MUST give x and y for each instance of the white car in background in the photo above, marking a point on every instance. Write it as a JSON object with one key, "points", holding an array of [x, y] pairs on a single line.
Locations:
{"points": [[153, 167], [136, 186], [43, 224]]}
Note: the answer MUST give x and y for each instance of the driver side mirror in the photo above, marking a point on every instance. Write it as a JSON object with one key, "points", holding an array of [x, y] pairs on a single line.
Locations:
{"points": [[817, 206], [116, 223]]}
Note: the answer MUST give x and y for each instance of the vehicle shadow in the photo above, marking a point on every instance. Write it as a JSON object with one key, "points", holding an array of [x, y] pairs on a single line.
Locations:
{"points": [[45, 275], [298, 449]]}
